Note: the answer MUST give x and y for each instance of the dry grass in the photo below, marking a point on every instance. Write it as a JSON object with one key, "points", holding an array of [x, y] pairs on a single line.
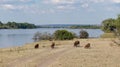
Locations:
{"points": [[108, 35], [103, 53]]}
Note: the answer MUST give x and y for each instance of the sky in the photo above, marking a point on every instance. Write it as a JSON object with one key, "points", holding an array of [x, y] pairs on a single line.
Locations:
{"points": [[58, 11]]}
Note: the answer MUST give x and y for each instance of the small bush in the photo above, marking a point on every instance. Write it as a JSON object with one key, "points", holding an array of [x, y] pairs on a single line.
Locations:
{"points": [[63, 35], [84, 34], [42, 36]]}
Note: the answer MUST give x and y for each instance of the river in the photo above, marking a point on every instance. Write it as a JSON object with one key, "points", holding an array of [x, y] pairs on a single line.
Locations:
{"points": [[19, 37]]}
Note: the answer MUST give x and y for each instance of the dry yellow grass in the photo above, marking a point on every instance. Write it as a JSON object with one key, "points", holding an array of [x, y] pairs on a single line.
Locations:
{"points": [[103, 53]]}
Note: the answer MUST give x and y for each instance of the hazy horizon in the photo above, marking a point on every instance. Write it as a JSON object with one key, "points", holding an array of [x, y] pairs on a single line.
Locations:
{"points": [[42, 12], [68, 24]]}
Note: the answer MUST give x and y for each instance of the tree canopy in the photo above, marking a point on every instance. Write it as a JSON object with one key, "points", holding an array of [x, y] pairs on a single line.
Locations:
{"points": [[111, 25], [85, 26], [118, 24], [63, 35], [107, 24], [15, 25]]}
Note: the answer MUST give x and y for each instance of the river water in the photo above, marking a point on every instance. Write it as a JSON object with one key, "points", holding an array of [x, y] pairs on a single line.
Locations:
{"points": [[19, 37]]}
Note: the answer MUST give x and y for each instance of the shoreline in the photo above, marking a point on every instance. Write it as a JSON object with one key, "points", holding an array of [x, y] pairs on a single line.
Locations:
{"points": [[91, 38]]}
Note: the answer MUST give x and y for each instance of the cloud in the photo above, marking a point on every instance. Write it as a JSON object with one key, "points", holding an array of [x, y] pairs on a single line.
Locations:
{"points": [[110, 9], [17, 1], [13, 7], [59, 1], [6, 1], [52, 6], [17, 5], [65, 7], [97, 1], [7, 6], [85, 5], [61, 7], [24, 0], [69, 5], [116, 1], [23, 6], [63, 1]]}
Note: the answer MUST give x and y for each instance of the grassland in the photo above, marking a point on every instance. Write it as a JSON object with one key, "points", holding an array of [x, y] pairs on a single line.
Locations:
{"points": [[103, 53]]}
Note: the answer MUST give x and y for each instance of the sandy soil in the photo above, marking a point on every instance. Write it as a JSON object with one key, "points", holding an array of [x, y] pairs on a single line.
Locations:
{"points": [[103, 53]]}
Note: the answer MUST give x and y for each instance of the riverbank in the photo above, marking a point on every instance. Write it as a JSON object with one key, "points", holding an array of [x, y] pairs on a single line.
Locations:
{"points": [[103, 53], [18, 37]]}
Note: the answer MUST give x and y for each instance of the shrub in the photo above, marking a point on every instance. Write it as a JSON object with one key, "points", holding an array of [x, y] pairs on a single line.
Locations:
{"points": [[63, 35], [84, 34], [42, 36]]}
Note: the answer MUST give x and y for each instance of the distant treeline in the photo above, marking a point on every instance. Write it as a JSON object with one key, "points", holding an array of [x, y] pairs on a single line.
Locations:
{"points": [[86, 26], [73, 26], [53, 26], [15, 25]]}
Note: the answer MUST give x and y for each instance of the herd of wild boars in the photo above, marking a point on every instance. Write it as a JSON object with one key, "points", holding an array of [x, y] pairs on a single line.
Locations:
{"points": [[75, 44]]}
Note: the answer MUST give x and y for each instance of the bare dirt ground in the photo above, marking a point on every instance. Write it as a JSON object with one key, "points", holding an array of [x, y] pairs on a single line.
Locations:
{"points": [[103, 53]]}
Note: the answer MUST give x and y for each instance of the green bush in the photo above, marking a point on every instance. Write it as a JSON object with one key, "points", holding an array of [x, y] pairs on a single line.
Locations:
{"points": [[63, 35], [107, 24], [84, 34]]}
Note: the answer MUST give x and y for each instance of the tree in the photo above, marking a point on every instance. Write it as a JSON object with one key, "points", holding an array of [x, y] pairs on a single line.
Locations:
{"points": [[118, 24], [107, 24], [112, 25], [15, 25], [63, 35], [117, 30], [84, 34], [1, 23], [42, 36]]}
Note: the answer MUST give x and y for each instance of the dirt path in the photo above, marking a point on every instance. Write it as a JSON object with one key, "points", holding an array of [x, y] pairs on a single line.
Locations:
{"points": [[52, 58], [41, 59], [102, 51]]}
